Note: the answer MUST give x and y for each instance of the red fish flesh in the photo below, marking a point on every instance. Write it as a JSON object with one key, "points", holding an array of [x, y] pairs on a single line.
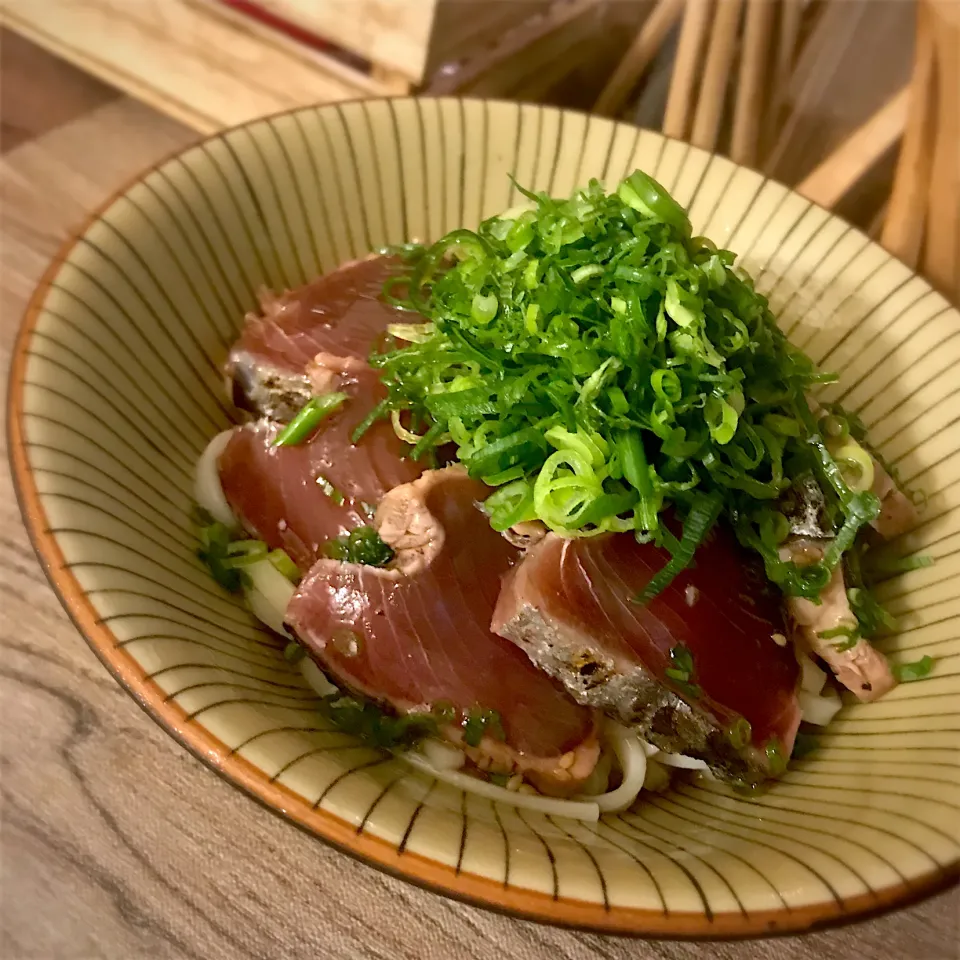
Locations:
{"points": [[571, 607], [417, 633], [332, 322], [296, 497]]}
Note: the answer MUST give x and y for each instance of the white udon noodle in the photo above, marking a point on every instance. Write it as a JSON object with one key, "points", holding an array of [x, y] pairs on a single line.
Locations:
{"points": [[207, 487]]}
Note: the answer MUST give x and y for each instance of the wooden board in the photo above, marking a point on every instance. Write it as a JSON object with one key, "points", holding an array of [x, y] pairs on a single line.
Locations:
{"points": [[392, 33], [185, 59]]}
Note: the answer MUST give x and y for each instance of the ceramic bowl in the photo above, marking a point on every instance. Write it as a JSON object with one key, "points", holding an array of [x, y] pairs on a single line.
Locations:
{"points": [[116, 386]]}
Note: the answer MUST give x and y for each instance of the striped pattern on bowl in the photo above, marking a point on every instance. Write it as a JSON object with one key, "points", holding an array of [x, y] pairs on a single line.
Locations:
{"points": [[116, 387]]}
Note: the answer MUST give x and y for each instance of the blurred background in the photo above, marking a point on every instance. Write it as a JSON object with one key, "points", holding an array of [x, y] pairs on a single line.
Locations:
{"points": [[856, 103]]}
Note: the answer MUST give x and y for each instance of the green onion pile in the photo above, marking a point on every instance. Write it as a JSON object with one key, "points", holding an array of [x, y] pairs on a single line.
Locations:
{"points": [[598, 365]]}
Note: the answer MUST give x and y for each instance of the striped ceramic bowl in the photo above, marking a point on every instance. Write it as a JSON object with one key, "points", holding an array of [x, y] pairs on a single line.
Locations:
{"points": [[116, 387]]}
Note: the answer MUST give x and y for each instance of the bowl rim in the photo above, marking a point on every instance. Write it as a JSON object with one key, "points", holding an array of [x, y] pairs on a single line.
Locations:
{"points": [[338, 833]]}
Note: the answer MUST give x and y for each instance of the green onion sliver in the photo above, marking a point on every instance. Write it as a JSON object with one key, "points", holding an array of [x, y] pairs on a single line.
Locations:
{"points": [[302, 426], [281, 560], [241, 553], [701, 518]]}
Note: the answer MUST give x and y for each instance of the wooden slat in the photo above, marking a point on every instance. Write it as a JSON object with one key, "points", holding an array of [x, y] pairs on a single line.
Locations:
{"points": [[184, 59], [788, 34], [856, 55], [941, 257], [644, 48], [831, 180], [716, 73], [499, 70], [39, 92], [748, 109], [696, 23], [463, 29], [391, 33], [902, 232]]}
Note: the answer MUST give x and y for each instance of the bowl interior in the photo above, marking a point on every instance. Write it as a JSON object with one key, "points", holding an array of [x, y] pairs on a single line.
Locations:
{"points": [[117, 387]]}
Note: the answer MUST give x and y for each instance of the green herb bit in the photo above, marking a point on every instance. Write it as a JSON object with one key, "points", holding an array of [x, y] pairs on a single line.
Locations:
{"points": [[479, 723], [740, 734], [243, 553], [885, 562], [804, 745], [445, 712], [681, 671], [361, 545], [499, 779], [214, 551], [851, 637], [281, 560], [308, 418], [293, 652], [870, 614], [366, 720], [776, 761], [700, 520], [917, 670], [381, 410], [331, 491]]}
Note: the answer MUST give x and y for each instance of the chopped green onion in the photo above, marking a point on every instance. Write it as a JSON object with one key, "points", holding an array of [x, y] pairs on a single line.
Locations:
{"points": [[740, 734], [361, 545], [804, 745], [484, 308], [776, 761], [593, 353], [857, 466], [411, 332], [834, 427], [851, 637], [886, 562], [480, 723], [681, 671], [908, 672], [281, 560], [214, 552], [644, 194], [330, 490], [243, 553], [365, 719], [381, 410], [293, 652], [870, 615], [510, 505], [701, 518], [586, 271], [309, 417], [636, 471]]}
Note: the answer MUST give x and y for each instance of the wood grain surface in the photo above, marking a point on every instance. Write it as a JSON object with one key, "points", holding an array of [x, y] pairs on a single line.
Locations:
{"points": [[115, 842]]}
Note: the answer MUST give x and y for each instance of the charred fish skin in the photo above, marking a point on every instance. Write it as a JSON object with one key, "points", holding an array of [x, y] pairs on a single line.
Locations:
{"points": [[804, 507], [632, 696], [264, 390]]}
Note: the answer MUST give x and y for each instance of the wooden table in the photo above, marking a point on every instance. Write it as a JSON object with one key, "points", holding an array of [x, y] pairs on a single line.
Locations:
{"points": [[118, 844]]}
